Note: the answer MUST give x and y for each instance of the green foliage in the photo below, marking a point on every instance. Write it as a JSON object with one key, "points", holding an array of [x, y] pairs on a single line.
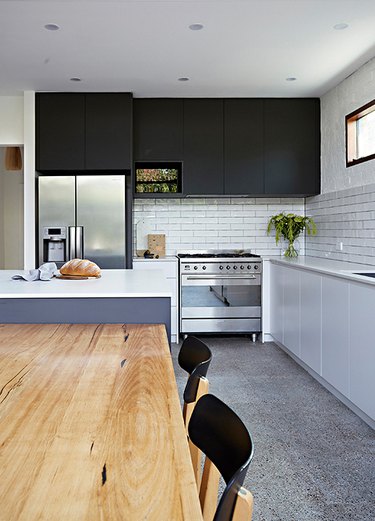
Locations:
{"points": [[290, 226]]}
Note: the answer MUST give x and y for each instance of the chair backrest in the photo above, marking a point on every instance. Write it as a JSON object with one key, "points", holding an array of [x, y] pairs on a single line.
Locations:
{"points": [[221, 435], [194, 357]]}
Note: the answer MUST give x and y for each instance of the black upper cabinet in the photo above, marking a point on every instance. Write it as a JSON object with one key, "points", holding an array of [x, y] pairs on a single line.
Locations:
{"points": [[60, 131], [243, 146], [292, 146], [158, 129], [203, 172], [108, 131], [83, 131]]}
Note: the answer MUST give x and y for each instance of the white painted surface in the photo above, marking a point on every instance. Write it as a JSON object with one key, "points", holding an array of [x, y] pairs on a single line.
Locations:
{"points": [[344, 270], [112, 284], [292, 310], [29, 179], [247, 48], [311, 320], [349, 95], [335, 332], [362, 351], [11, 119], [277, 302], [169, 267]]}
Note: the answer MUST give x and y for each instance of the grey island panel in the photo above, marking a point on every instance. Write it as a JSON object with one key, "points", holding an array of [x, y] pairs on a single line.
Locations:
{"points": [[132, 310]]}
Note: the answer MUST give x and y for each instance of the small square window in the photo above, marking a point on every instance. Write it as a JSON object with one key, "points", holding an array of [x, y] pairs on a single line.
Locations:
{"points": [[360, 135]]}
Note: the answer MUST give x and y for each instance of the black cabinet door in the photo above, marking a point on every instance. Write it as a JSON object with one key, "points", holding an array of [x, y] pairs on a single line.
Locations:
{"points": [[108, 131], [292, 146], [243, 146], [158, 129], [60, 131], [203, 172]]}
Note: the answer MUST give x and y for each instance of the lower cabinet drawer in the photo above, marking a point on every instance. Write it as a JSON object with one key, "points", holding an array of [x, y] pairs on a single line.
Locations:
{"points": [[211, 325]]}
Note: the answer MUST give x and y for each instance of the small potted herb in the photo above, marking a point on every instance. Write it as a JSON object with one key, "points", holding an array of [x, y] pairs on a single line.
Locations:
{"points": [[290, 226]]}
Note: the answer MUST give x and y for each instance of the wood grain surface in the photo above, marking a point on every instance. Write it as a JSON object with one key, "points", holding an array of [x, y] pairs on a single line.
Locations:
{"points": [[91, 426]]}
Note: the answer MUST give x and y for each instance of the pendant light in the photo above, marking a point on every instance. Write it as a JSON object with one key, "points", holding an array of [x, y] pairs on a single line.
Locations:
{"points": [[13, 158]]}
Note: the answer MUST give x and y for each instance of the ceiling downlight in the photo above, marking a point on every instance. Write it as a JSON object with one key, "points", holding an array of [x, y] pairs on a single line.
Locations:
{"points": [[52, 27], [196, 27]]}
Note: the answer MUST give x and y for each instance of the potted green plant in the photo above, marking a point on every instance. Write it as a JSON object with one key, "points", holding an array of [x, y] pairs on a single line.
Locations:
{"points": [[290, 226]]}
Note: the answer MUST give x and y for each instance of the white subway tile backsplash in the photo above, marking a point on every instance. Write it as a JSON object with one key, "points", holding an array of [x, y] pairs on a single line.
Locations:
{"points": [[214, 223]]}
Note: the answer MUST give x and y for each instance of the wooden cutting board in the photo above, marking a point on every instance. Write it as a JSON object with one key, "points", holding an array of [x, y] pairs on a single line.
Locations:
{"points": [[74, 277]]}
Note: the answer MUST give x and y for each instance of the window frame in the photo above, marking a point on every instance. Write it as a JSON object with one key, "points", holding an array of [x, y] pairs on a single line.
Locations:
{"points": [[351, 134]]}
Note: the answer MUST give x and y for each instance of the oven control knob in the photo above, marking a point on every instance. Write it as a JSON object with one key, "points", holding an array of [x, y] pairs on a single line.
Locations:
{"points": [[203, 267], [228, 267], [241, 267], [249, 266], [256, 267], [221, 267], [234, 267], [195, 267]]}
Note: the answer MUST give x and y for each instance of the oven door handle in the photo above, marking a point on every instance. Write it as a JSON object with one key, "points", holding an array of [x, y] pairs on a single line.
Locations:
{"points": [[221, 277]]}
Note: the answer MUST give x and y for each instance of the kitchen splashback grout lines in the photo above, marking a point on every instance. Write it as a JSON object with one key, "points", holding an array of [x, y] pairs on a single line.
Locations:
{"points": [[215, 223], [347, 217]]}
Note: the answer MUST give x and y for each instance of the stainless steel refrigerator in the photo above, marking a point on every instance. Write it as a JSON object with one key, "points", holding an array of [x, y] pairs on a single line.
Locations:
{"points": [[84, 216]]}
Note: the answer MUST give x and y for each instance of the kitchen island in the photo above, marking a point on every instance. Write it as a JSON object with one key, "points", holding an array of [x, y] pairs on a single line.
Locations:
{"points": [[119, 296]]}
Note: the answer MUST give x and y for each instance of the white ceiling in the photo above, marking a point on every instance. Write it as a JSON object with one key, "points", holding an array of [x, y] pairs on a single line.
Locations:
{"points": [[246, 49]]}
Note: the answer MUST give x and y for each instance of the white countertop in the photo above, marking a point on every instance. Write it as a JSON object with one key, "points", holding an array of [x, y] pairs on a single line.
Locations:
{"points": [[113, 283], [327, 266]]}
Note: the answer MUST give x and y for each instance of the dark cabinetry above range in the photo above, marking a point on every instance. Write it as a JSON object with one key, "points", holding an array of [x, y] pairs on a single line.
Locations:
{"points": [[241, 146], [78, 132]]}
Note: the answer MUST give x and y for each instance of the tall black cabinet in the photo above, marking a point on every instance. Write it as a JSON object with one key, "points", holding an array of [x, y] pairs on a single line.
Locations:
{"points": [[77, 132]]}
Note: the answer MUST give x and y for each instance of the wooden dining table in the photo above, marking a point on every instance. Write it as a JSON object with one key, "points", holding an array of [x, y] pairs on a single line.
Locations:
{"points": [[91, 425]]}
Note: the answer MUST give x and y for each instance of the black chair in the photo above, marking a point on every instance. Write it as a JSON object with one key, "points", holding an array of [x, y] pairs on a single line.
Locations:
{"points": [[195, 358], [221, 435]]}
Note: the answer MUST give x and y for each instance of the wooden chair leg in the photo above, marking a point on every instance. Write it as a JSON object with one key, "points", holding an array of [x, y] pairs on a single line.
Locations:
{"points": [[209, 490], [243, 509], [196, 459]]}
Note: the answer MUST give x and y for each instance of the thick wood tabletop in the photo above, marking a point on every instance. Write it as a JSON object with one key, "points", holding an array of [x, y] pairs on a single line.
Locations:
{"points": [[91, 426]]}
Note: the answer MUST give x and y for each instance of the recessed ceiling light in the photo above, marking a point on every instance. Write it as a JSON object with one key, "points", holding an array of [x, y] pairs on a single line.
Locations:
{"points": [[183, 79], [196, 27], [52, 27], [291, 78], [341, 26], [75, 79]]}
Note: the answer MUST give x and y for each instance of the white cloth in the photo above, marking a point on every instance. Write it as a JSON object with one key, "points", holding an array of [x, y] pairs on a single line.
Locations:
{"points": [[44, 272]]}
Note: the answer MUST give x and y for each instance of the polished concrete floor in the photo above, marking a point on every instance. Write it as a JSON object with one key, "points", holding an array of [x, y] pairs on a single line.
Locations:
{"points": [[314, 459]]}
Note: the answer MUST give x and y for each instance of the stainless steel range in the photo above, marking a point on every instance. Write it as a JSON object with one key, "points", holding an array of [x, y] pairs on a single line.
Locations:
{"points": [[220, 292]]}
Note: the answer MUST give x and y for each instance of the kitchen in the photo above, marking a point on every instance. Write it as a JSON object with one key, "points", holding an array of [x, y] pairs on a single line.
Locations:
{"points": [[342, 211]]}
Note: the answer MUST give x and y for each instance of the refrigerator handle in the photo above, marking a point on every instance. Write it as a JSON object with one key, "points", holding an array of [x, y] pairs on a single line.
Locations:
{"points": [[72, 243], [79, 242]]}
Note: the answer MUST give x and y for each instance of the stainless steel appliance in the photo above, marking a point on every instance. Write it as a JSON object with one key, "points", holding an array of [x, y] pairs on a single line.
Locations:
{"points": [[83, 216], [220, 292]]}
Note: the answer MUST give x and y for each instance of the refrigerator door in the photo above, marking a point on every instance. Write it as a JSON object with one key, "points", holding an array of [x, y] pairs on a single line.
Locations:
{"points": [[101, 213], [56, 210]]}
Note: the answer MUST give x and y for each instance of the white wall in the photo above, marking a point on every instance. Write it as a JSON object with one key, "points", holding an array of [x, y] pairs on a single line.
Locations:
{"points": [[345, 212], [11, 120], [357, 90], [11, 217]]}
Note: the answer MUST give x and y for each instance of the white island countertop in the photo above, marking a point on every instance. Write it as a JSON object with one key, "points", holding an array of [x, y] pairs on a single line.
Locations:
{"points": [[112, 284], [336, 268]]}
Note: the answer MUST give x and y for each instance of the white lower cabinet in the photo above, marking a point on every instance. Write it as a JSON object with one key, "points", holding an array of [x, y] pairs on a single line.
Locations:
{"points": [[311, 319], [328, 323], [362, 347], [335, 333], [170, 269]]}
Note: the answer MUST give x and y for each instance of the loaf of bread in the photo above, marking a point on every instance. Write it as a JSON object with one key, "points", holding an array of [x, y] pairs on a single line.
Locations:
{"points": [[80, 267]]}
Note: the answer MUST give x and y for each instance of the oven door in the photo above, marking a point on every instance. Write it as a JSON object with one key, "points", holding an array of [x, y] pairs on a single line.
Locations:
{"points": [[220, 304]]}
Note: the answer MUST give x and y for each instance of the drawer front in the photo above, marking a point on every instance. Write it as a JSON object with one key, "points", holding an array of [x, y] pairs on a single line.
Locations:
{"points": [[169, 267], [239, 325]]}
